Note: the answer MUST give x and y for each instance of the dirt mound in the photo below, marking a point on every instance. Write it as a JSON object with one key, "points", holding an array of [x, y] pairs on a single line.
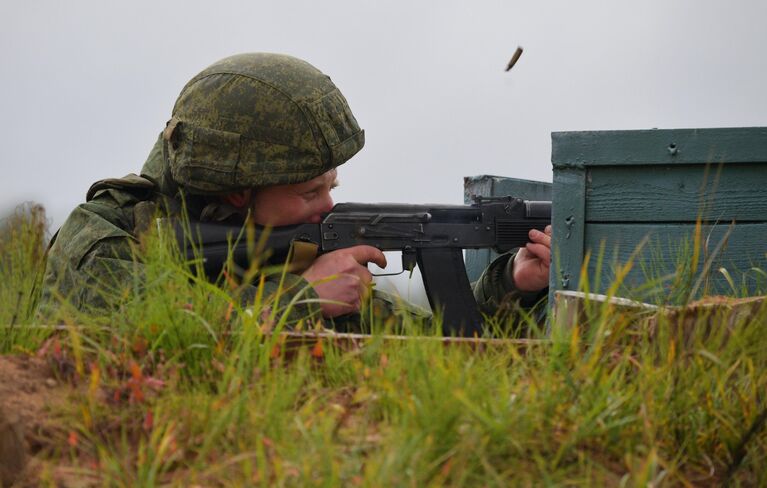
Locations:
{"points": [[28, 393]]}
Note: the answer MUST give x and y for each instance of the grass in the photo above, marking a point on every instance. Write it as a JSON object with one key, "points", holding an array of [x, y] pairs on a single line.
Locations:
{"points": [[23, 238], [178, 385]]}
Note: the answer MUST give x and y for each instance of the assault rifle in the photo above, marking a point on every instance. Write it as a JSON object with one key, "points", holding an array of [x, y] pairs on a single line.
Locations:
{"points": [[431, 236]]}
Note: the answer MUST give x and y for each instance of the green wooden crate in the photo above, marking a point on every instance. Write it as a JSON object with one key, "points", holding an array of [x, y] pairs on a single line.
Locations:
{"points": [[616, 189], [497, 186]]}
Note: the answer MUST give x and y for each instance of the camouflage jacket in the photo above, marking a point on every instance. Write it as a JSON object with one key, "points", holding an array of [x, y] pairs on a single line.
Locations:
{"points": [[94, 249]]}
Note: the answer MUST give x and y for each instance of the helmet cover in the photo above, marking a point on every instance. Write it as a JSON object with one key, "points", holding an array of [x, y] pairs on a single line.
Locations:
{"points": [[258, 119]]}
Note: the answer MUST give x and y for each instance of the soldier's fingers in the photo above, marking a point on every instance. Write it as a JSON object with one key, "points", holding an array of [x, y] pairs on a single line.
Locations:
{"points": [[364, 276], [539, 237], [363, 288], [540, 251], [522, 254], [368, 254], [352, 288]]}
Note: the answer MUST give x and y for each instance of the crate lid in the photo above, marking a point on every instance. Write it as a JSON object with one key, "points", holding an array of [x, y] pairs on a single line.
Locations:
{"points": [[658, 146]]}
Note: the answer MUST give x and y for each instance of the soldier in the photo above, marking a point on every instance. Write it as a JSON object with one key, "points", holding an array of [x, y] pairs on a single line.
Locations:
{"points": [[258, 134]]}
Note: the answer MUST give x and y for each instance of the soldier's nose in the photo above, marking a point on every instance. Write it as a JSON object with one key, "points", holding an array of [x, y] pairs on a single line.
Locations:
{"points": [[327, 204]]}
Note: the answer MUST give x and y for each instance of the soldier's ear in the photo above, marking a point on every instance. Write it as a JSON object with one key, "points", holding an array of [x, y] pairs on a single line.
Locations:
{"points": [[238, 199]]}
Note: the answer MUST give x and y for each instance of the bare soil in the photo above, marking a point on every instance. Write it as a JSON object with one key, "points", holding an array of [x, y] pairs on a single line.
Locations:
{"points": [[29, 394]]}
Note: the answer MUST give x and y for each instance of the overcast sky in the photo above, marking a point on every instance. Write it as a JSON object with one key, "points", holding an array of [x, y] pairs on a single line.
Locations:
{"points": [[87, 85]]}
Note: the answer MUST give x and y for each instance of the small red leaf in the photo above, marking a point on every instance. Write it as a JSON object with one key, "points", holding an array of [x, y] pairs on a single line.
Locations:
{"points": [[317, 351]]}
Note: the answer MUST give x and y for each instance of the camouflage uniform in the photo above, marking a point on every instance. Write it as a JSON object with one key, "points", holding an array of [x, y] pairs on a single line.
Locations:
{"points": [[246, 121]]}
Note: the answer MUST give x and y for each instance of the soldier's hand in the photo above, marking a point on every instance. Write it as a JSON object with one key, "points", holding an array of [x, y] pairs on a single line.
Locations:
{"points": [[343, 276], [532, 262]]}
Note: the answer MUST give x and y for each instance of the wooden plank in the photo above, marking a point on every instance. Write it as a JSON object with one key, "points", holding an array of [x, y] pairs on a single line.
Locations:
{"points": [[668, 244], [480, 185], [709, 314], [568, 220], [696, 318], [677, 193], [574, 307], [527, 189], [492, 186], [660, 147], [289, 341]]}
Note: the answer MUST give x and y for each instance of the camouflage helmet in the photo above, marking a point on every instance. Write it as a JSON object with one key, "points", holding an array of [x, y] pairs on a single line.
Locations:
{"points": [[258, 119]]}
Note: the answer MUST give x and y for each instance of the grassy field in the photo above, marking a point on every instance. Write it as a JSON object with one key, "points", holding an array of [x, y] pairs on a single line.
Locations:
{"points": [[180, 386]]}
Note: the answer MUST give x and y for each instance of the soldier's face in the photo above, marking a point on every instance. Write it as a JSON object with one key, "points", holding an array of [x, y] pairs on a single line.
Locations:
{"points": [[299, 203]]}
